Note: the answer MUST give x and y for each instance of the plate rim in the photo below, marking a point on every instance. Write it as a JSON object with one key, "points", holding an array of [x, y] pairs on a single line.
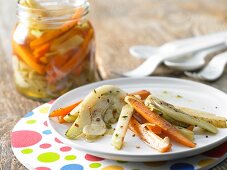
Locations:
{"points": [[191, 152]]}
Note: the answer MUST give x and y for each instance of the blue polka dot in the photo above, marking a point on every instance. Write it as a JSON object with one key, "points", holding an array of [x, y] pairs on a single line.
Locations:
{"points": [[47, 132], [72, 167], [28, 114], [182, 166]]}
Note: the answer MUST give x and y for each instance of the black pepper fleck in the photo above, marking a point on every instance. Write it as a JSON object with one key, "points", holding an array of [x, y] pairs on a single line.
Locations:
{"points": [[179, 96]]}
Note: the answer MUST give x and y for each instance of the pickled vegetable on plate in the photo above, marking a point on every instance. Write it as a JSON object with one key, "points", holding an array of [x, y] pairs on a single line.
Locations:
{"points": [[154, 118], [54, 42], [122, 126], [97, 111], [179, 115], [154, 121], [217, 121]]}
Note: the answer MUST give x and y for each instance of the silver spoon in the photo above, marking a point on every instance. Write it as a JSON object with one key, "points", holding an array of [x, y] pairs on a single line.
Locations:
{"points": [[213, 70], [187, 63], [193, 62], [145, 51], [151, 63]]}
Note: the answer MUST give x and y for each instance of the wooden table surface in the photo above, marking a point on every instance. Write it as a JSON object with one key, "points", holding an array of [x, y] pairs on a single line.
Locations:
{"points": [[118, 24]]}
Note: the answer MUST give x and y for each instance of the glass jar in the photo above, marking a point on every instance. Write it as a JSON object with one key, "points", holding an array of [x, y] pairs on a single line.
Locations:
{"points": [[53, 48]]}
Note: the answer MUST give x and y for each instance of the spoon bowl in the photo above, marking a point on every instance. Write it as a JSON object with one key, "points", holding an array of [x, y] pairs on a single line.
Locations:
{"points": [[192, 62]]}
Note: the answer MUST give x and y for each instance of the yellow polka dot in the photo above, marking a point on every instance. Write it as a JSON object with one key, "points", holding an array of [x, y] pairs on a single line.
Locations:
{"points": [[44, 109], [205, 162], [154, 164], [113, 167]]}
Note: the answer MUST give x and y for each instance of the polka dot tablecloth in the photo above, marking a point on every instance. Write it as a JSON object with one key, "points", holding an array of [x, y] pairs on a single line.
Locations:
{"points": [[37, 148]]}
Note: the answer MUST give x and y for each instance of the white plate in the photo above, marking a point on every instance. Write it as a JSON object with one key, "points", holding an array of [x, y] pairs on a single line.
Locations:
{"points": [[176, 91]]}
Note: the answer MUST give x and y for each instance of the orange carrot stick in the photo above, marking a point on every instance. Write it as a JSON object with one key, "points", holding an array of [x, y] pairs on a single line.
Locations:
{"points": [[28, 58], [156, 129], [54, 66], [41, 50], [61, 119], [79, 56], [154, 118], [76, 59], [150, 138], [64, 111], [191, 127], [55, 33], [142, 93], [77, 71]]}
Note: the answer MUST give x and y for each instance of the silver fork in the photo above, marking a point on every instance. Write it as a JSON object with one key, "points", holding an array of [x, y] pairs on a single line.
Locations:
{"points": [[212, 71]]}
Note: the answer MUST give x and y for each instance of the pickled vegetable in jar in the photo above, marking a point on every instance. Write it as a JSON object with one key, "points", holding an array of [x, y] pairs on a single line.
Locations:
{"points": [[53, 48]]}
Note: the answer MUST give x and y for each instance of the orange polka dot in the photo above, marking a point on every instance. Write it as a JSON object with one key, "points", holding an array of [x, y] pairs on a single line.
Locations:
{"points": [[205, 162], [113, 167]]}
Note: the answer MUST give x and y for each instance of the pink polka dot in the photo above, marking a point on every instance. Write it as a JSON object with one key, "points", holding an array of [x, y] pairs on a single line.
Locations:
{"points": [[45, 145], [45, 123], [42, 168], [93, 158], [217, 152], [65, 149], [52, 101], [57, 140], [25, 138]]}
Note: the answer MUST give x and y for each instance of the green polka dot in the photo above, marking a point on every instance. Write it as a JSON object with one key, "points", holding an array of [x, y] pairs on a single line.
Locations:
{"points": [[31, 121], [95, 165], [26, 151], [44, 109], [48, 157], [70, 157]]}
